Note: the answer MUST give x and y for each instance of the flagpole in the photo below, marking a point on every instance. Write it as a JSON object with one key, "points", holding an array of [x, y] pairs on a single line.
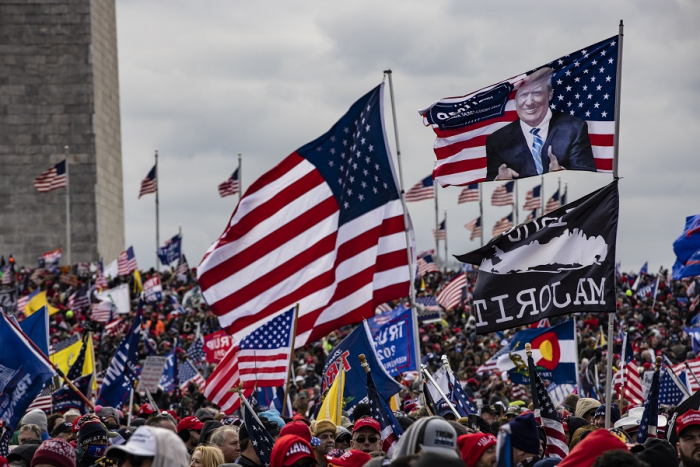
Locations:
{"points": [[542, 198], [691, 373], [68, 229], [157, 213], [437, 226], [56, 369], [426, 373], [675, 379], [618, 95], [481, 212], [131, 405], [291, 358], [409, 254], [559, 190], [240, 176], [446, 240], [653, 429], [515, 200]]}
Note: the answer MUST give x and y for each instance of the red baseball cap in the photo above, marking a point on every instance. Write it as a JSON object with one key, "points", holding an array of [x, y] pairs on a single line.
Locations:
{"points": [[297, 428], [472, 446], [289, 449], [146, 409], [190, 423], [351, 458], [690, 418], [367, 421]]}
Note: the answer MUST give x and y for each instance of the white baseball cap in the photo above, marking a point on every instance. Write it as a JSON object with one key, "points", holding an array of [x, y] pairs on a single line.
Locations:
{"points": [[142, 444]]}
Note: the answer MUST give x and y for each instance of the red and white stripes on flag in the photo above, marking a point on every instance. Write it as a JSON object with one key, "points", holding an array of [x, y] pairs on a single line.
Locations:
{"points": [[383, 308], [51, 179], [546, 415], [425, 189], [426, 263], [517, 391], [150, 183], [503, 225], [43, 402], [533, 199], [503, 195], [694, 365], [116, 326], [317, 231], [101, 312], [451, 295], [552, 203], [261, 359], [230, 186], [126, 263], [628, 377], [468, 194], [474, 226]]}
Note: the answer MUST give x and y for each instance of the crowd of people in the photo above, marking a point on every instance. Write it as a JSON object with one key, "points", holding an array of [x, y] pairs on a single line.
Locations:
{"points": [[184, 428]]}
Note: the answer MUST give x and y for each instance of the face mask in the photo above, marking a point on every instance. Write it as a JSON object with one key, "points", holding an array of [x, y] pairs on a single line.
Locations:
{"points": [[112, 426], [96, 451]]}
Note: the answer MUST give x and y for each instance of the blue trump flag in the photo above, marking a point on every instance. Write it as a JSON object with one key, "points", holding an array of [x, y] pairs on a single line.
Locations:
{"points": [[553, 350], [686, 247], [347, 354], [171, 251], [23, 373], [36, 327], [167, 379], [393, 334], [122, 373]]}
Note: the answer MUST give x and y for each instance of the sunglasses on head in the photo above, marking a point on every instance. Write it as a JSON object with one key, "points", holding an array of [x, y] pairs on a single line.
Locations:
{"points": [[371, 439]]}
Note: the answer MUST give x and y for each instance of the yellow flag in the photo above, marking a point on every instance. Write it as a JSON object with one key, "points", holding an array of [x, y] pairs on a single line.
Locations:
{"points": [[138, 283], [36, 303], [395, 403], [65, 358], [332, 407]]}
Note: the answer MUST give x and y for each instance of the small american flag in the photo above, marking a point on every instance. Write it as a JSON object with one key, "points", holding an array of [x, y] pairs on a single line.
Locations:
{"points": [[552, 203], [52, 179], [627, 378], [650, 417], [503, 195], [102, 312], [391, 431], [42, 402], [187, 373], [182, 271], [230, 186], [503, 225], [469, 194], [694, 365], [126, 262], [260, 438], [383, 308], [5, 441], [426, 264], [491, 365], [196, 350], [543, 323], [260, 359], [149, 184], [441, 232], [532, 215], [116, 326], [425, 189], [584, 85], [669, 391], [52, 257], [518, 392], [101, 280], [79, 300], [24, 299], [451, 295], [533, 199], [474, 226], [546, 415]]}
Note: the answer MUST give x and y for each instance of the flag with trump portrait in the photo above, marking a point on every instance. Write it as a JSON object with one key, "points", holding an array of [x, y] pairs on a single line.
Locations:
{"points": [[324, 228], [569, 102]]}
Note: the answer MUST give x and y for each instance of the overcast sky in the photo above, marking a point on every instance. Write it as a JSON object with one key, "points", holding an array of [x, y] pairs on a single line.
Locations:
{"points": [[203, 81]]}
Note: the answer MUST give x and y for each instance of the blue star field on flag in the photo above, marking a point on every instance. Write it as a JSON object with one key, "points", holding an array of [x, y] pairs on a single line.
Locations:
{"points": [[196, 350], [259, 437], [460, 398], [651, 410], [669, 392], [391, 431]]}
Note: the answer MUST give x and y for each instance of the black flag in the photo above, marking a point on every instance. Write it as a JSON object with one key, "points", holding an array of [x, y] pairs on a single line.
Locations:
{"points": [[562, 262]]}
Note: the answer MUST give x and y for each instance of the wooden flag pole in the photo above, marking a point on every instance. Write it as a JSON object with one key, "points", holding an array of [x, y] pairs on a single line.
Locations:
{"points": [[56, 369], [291, 359]]}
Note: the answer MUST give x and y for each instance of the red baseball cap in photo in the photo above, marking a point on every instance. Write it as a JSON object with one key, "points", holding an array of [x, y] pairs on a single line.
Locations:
{"points": [[351, 458], [690, 418], [190, 423], [367, 421]]}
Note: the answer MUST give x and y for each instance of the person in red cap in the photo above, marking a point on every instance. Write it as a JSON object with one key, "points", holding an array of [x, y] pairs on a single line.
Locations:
{"points": [[352, 458], [188, 430], [54, 452], [688, 431], [478, 449], [366, 435], [594, 445], [292, 451], [146, 411]]}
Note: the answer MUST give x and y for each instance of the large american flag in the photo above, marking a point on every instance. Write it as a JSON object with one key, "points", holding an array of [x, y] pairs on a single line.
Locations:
{"points": [[546, 415], [149, 184], [261, 359], [533, 199], [503, 195], [187, 373], [474, 226], [325, 229], [503, 225], [230, 186], [51, 179], [426, 263], [126, 263], [584, 86], [425, 189], [469, 193], [451, 295]]}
